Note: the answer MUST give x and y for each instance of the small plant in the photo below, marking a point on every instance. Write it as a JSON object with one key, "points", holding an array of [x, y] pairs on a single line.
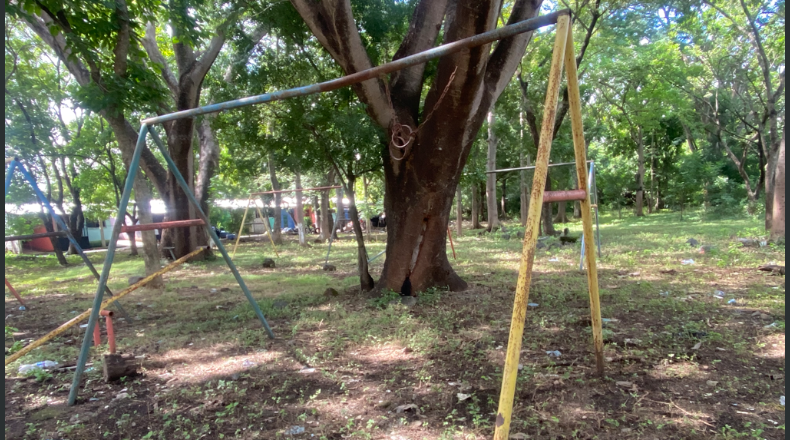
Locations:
{"points": [[383, 301]]}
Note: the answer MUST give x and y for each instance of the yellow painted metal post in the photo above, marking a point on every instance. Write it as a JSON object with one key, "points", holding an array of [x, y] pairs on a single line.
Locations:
{"points": [[268, 229], [76, 320], [510, 373], [580, 148], [241, 228]]}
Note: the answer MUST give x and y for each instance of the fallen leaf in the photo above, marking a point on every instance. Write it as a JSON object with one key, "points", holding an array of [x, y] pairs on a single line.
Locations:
{"points": [[697, 346]]}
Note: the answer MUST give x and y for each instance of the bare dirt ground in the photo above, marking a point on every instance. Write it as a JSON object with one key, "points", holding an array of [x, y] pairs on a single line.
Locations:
{"points": [[684, 364]]}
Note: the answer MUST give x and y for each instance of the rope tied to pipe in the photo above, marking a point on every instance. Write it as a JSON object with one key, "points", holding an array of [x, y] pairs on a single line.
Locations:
{"points": [[402, 135]]}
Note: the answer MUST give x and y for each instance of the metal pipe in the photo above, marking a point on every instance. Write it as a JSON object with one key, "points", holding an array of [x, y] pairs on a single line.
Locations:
{"points": [[9, 174], [241, 228], [134, 165], [163, 225], [516, 336], [77, 319], [14, 292], [532, 167], [569, 195], [580, 150], [374, 72], [318, 188], [64, 228], [185, 187], [268, 229], [34, 236], [110, 329], [377, 255]]}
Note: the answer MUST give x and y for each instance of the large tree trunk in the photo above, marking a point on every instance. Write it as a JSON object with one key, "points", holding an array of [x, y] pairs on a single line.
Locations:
{"points": [[524, 186], [640, 176], [778, 208], [326, 216], [503, 199], [277, 233], [132, 236], [365, 280], [420, 178], [459, 213], [493, 219], [299, 212], [475, 207], [127, 138], [208, 162], [46, 219], [368, 227]]}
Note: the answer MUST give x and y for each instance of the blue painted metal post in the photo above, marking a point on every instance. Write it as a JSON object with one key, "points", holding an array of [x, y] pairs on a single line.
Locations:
{"points": [[589, 185], [62, 225], [9, 173], [202, 215], [105, 273]]}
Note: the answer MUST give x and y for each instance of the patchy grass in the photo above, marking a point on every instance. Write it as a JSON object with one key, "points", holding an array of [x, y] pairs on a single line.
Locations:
{"points": [[345, 366]]}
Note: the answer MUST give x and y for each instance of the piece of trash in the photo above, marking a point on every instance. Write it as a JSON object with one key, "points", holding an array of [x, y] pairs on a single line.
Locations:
{"points": [[624, 384], [92, 399], [409, 406], [520, 367], [519, 436], [607, 320], [697, 346], [84, 326], [782, 400], [665, 293], [38, 365], [294, 430], [248, 364], [634, 274], [532, 304], [498, 348], [307, 371], [122, 396], [712, 383], [22, 308], [554, 259], [769, 326], [632, 341], [554, 353], [462, 396], [720, 349], [213, 290], [718, 294], [731, 301], [687, 262], [90, 369]]}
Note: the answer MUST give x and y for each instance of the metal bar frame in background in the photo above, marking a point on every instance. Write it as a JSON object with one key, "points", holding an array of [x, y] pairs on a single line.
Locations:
{"points": [[17, 164], [367, 74], [116, 231], [532, 167], [591, 186]]}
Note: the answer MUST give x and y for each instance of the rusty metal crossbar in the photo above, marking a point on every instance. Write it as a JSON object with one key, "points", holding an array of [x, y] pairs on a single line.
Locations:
{"points": [[570, 195], [163, 225]]}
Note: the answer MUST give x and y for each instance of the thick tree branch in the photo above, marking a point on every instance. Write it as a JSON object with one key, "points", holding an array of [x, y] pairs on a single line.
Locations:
{"points": [[149, 43], [333, 24], [122, 44], [424, 27]]}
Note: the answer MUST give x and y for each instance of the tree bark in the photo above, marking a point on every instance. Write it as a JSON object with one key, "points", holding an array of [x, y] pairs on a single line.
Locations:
{"points": [[420, 179], [493, 219], [340, 220], [365, 280], [778, 217], [640, 176], [459, 213], [208, 161], [562, 216], [277, 234], [127, 139], [76, 218], [326, 216], [368, 227], [475, 207]]}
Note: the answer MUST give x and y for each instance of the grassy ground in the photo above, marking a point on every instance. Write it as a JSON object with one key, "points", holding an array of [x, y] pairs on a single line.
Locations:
{"points": [[681, 362]]}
